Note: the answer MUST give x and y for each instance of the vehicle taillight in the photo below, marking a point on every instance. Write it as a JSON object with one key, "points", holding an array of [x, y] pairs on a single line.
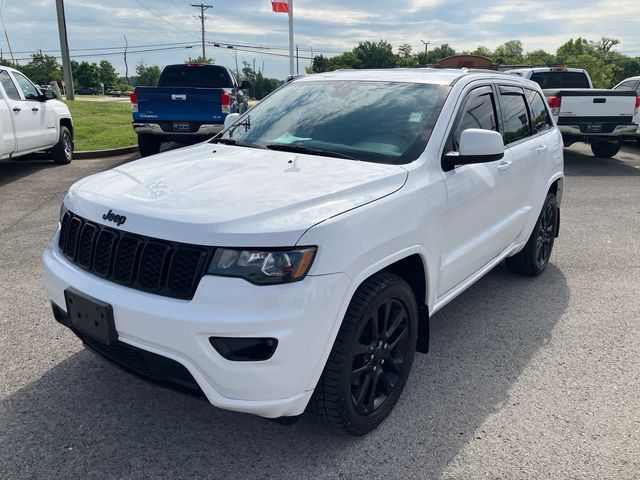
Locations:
{"points": [[558, 69], [554, 104], [225, 102], [637, 105], [134, 102]]}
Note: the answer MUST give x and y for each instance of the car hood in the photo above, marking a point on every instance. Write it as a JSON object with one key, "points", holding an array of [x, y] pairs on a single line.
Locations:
{"points": [[211, 194]]}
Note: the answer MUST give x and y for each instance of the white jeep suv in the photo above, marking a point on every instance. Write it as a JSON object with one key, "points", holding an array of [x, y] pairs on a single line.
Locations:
{"points": [[293, 261]]}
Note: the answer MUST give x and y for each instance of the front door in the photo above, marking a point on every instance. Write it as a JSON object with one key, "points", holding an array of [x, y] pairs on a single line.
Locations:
{"points": [[475, 214], [35, 125]]}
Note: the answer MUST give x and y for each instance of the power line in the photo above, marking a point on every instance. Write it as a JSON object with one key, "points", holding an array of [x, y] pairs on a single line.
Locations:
{"points": [[160, 17]]}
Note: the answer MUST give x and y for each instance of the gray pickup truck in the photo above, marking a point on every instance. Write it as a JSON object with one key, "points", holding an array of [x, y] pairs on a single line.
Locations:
{"points": [[189, 105]]}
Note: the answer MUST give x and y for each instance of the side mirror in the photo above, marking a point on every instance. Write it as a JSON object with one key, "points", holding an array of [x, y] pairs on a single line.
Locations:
{"points": [[245, 85], [49, 95], [231, 119], [476, 146]]}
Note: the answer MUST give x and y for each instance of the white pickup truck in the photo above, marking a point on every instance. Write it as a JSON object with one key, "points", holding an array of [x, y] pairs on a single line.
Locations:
{"points": [[32, 121], [585, 114]]}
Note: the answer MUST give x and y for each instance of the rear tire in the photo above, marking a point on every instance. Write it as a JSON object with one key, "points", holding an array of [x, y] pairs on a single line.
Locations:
{"points": [[371, 358], [148, 144], [533, 259], [605, 149], [62, 152]]}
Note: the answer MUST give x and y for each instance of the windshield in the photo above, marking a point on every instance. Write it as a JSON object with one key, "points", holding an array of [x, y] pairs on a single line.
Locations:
{"points": [[385, 122], [561, 79]]}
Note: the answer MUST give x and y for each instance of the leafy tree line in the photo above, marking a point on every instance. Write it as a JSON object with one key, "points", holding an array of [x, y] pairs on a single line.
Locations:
{"points": [[43, 69], [605, 66]]}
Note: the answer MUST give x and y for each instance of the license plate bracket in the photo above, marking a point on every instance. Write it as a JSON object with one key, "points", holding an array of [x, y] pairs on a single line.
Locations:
{"points": [[91, 316], [181, 126], [594, 128]]}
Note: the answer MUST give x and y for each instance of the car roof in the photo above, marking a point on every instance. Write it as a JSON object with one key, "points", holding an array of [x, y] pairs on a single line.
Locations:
{"points": [[545, 69], [437, 76]]}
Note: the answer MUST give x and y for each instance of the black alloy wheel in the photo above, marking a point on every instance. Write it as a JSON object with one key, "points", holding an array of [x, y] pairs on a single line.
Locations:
{"points": [[546, 234], [371, 358], [534, 257], [380, 356]]}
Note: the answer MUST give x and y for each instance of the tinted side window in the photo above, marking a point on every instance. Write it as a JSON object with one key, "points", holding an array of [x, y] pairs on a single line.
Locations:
{"points": [[539, 114], [29, 90], [627, 86], [515, 118], [479, 111], [9, 86]]}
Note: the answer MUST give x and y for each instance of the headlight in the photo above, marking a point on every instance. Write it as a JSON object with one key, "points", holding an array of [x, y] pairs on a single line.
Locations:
{"points": [[263, 267]]}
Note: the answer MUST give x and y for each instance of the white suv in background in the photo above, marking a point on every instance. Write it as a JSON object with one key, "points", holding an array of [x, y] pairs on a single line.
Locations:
{"points": [[294, 261]]}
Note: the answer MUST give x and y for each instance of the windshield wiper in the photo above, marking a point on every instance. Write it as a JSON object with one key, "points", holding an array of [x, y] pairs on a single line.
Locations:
{"points": [[309, 151], [231, 141]]}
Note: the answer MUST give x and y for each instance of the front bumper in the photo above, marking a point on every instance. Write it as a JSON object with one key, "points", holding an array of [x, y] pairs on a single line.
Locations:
{"points": [[301, 316]]}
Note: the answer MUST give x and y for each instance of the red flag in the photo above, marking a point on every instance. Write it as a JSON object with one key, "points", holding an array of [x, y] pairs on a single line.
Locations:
{"points": [[280, 7]]}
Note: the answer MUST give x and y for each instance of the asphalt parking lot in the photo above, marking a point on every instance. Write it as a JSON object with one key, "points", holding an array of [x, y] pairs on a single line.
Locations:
{"points": [[526, 378]]}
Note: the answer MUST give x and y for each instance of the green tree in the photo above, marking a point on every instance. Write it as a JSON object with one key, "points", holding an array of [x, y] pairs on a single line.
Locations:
{"points": [[404, 50], [85, 74], [540, 58], [510, 52], [319, 64], [147, 76], [482, 51], [344, 60], [436, 54], [574, 48], [107, 74], [42, 69], [374, 55], [201, 59]]}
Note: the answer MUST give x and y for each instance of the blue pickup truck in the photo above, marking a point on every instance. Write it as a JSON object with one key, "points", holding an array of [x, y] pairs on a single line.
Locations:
{"points": [[189, 105]]}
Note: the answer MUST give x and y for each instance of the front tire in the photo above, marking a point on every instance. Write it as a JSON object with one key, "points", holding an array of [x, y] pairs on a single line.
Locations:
{"points": [[605, 149], [62, 152], [371, 358], [533, 259], [148, 144]]}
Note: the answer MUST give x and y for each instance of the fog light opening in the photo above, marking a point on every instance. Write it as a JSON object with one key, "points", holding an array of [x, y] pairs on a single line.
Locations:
{"points": [[244, 349]]}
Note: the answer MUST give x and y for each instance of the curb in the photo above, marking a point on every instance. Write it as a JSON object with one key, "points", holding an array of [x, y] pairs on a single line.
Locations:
{"points": [[112, 152]]}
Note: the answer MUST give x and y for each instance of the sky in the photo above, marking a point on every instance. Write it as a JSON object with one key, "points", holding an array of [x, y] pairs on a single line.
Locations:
{"points": [[327, 26]]}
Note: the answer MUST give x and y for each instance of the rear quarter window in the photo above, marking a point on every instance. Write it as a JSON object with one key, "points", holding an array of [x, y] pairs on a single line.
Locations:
{"points": [[540, 118]]}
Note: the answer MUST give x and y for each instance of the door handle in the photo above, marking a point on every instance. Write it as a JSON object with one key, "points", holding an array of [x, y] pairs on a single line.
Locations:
{"points": [[35, 109], [542, 149], [16, 109], [504, 165]]}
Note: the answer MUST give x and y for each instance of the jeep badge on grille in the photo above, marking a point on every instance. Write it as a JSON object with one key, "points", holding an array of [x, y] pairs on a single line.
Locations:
{"points": [[112, 217]]}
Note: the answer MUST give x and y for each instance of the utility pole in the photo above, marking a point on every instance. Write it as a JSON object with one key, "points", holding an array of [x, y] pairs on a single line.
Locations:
{"points": [[297, 60], [64, 48], [202, 8], [426, 51], [290, 37]]}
